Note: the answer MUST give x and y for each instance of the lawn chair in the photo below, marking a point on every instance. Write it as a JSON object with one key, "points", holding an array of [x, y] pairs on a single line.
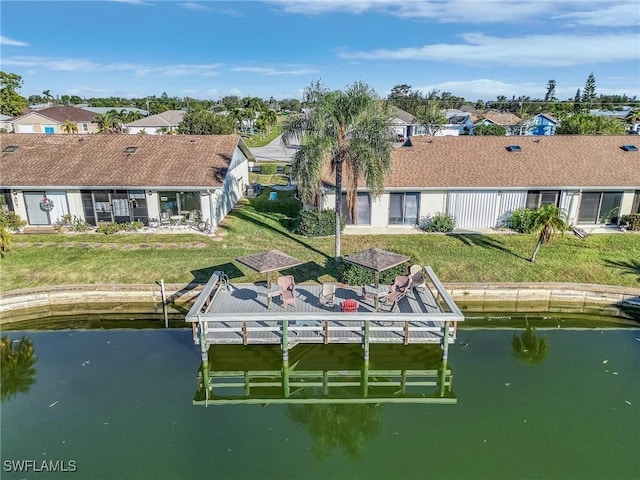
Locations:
{"points": [[349, 305], [397, 291], [327, 295], [418, 279], [287, 290], [165, 219]]}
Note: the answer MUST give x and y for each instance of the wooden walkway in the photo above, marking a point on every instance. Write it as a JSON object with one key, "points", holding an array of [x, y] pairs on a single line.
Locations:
{"points": [[243, 314]]}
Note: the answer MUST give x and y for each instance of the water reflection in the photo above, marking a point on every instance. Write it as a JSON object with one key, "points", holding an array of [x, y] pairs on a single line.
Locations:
{"points": [[529, 347], [325, 374], [17, 360]]}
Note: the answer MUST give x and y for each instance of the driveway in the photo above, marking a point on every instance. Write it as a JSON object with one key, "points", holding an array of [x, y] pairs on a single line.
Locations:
{"points": [[274, 152]]}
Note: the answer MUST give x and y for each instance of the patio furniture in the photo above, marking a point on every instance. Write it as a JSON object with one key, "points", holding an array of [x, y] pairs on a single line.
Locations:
{"points": [[327, 295], [165, 221], [349, 305], [418, 279], [287, 290], [397, 291]]}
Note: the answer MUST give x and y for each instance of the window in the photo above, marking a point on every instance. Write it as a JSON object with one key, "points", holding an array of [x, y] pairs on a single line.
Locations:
{"points": [[363, 209], [599, 207], [49, 129], [85, 127], [404, 208], [538, 198], [10, 149], [176, 203], [635, 208]]}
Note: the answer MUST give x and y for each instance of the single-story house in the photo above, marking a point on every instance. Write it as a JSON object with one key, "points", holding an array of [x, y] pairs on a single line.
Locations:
{"points": [[508, 120], [122, 178], [5, 122], [50, 120], [542, 124], [482, 180], [165, 122]]}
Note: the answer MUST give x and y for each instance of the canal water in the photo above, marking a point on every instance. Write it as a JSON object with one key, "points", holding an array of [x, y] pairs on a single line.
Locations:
{"points": [[118, 404]]}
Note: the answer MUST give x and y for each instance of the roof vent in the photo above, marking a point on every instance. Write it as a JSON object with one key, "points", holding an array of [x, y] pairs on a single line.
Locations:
{"points": [[10, 148], [514, 148], [630, 148], [130, 150]]}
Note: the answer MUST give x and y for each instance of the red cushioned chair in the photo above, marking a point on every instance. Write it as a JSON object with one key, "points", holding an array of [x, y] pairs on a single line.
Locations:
{"points": [[350, 305]]}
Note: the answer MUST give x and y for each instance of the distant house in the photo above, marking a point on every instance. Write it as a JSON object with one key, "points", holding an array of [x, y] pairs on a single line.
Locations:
{"points": [[507, 120], [459, 122], [165, 122], [122, 178], [480, 180], [404, 124], [542, 124], [103, 110], [6, 123], [50, 120]]}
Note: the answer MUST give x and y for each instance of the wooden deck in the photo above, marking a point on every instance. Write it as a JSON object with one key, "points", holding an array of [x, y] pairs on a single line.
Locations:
{"points": [[245, 314]]}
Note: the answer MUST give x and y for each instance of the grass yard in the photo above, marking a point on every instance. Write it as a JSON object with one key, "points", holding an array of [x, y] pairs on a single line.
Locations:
{"points": [[260, 224]]}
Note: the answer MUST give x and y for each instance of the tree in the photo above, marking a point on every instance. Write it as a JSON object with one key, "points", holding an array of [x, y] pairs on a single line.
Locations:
{"points": [[47, 96], [16, 366], [550, 96], [589, 92], [202, 122], [11, 103], [585, 124], [528, 347], [431, 116], [109, 122], [342, 129], [69, 127], [546, 221], [577, 104], [490, 129]]}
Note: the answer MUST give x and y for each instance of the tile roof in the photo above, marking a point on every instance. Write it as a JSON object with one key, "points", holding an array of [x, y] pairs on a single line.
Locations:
{"points": [[99, 160], [484, 162], [62, 113], [500, 118], [170, 118]]}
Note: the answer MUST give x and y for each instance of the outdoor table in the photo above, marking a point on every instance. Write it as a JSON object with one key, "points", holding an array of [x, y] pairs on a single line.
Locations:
{"points": [[371, 291], [176, 220]]}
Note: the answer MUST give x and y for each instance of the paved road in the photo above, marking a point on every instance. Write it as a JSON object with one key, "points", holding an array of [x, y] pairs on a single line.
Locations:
{"points": [[274, 151]]}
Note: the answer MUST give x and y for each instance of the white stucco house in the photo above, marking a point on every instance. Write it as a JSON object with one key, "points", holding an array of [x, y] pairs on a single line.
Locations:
{"points": [[481, 180], [165, 122], [122, 178]]}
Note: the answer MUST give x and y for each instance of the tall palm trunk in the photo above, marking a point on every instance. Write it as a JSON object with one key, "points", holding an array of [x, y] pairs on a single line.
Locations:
{"points": [[338, 206]]}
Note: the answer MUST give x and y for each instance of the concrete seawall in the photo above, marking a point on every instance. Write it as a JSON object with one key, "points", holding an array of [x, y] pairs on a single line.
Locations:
{"points": [[472, 297]]}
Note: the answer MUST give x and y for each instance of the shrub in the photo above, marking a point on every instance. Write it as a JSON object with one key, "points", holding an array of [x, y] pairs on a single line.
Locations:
{"points": [[311, 223], [631, 221], [11, 220], [355, 275], [439, 222], [111, 228], [522, 220], [70, 223], [268, 169]]}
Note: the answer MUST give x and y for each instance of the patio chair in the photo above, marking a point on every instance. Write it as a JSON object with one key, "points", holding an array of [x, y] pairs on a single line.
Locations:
{"points": [[327, 295], [397, 291], [287, 290], [349, 305], [165, 219], [418, 279]]}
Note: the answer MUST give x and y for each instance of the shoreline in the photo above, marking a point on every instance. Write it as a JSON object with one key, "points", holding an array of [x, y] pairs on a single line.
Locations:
{"points": [[572, 298]]}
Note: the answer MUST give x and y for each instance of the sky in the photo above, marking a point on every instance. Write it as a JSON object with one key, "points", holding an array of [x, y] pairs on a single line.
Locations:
{"points": [[476, 49]]}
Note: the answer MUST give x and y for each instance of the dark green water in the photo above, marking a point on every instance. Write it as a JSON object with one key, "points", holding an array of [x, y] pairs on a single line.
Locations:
{"points": [[119, 405]]}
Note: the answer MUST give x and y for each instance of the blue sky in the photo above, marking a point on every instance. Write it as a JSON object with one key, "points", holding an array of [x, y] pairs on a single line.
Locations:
{"points": [[477, 49]]}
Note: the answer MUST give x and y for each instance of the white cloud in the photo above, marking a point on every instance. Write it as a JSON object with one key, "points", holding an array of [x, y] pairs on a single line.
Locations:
{"points": [[273, 71], [10, 42], [194, 6], [134, 2], [585, 12], [620, 14], [485, 88], [234, 91], [532, 50]]}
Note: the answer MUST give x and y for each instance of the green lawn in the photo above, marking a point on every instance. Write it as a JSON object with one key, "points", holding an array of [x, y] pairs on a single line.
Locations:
{"points": [[260, 224], [260, 140]]}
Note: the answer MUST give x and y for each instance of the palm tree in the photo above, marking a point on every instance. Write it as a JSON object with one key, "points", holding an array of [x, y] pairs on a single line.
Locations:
{"points": [[547, 220], [47, 96], [16, 366], [108, 122], [528, 347], [349, 129], [69, 127]]}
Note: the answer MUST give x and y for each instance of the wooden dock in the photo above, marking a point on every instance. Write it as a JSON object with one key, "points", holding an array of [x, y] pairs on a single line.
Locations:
{"points": [[249, 314]]}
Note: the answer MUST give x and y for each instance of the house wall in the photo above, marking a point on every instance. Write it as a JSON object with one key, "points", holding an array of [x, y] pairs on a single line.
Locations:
{"points": [[221, 201], [35, 123]]}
